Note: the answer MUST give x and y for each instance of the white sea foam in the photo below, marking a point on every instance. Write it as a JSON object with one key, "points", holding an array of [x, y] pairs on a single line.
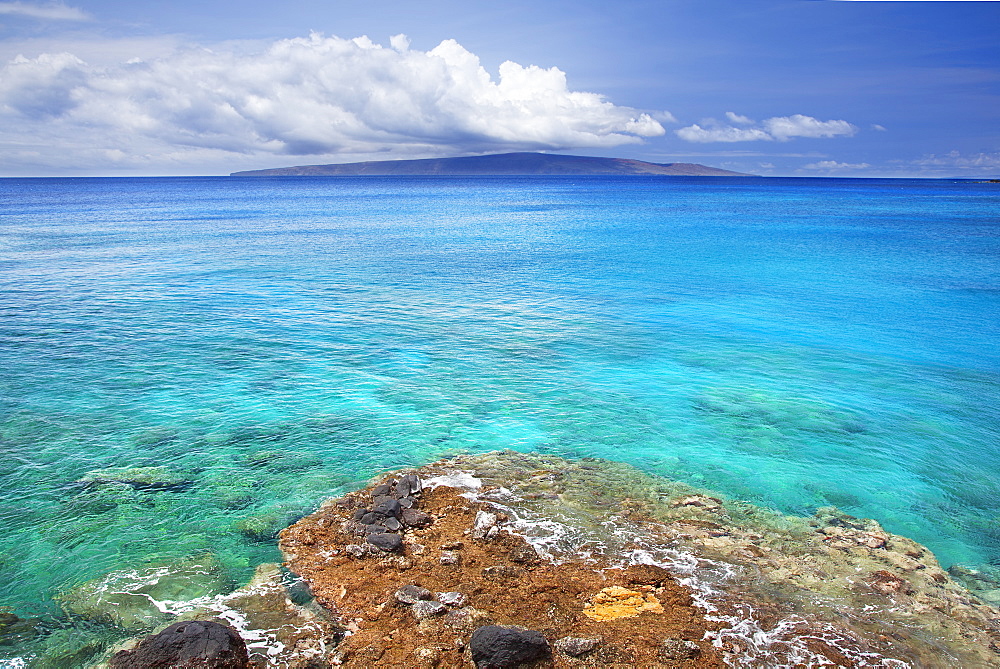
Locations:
{"points": [[457, 479], [263, 640]]}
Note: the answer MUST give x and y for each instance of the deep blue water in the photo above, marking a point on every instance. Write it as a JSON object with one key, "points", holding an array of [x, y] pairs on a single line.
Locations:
{"points": [[793, 342]]}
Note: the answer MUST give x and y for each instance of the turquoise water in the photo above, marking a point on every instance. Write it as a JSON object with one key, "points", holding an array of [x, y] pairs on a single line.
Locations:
{"points": [[267, 342]]}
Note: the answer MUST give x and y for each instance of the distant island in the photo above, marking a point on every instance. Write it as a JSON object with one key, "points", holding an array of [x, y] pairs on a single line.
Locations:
{"points": [[541, 164]]}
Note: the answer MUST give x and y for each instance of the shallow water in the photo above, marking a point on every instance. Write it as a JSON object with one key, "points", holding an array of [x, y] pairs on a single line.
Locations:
{"points": [[796, 343]]}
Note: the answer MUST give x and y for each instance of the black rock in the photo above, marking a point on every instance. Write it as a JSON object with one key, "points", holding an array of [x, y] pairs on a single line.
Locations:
{"points": [[388, 507], [415, 518], [406, 486], [381, 490], [359, 514], [496, 647], [386, 541], [369, 518], [391, 524], [373, 529], [407, 502], [192, 643]]}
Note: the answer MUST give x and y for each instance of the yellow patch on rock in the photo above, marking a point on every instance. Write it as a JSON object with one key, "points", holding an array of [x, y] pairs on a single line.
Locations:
{"points": [[618, 602]]}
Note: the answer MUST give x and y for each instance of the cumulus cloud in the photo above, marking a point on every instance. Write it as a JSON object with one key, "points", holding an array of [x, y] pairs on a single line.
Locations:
{"points": [[778, 128], [55, 11], [314, 96]]}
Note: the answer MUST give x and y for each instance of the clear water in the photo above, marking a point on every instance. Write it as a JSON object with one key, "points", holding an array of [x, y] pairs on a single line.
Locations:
{"points": [[793, 342]]}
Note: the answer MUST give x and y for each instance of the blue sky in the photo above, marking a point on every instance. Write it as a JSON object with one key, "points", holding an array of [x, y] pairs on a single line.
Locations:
{"points": [[794, 87]]}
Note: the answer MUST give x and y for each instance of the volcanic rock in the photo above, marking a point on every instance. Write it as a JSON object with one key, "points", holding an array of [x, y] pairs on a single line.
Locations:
{"points": [[416, 518], [496, 647], [387, 506], [386, 541], [408, 485], [187, 644]]}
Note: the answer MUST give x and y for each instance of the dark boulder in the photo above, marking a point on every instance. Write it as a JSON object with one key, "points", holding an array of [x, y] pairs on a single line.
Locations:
{"points": [[407, 486], [416, 518], [387, 506], [496, 647], [187, 644], [386, 541]]}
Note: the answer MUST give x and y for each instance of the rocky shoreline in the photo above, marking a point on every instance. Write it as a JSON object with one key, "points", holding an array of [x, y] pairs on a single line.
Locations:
{"points": [[510, 559], [427, 591], [734, 583]]}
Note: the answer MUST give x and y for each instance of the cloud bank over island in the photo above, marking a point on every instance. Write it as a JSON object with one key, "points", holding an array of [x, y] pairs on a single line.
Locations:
{"points": [[311, 96]]}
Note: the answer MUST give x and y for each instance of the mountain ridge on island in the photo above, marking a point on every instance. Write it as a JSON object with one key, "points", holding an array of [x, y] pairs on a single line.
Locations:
{"points": [[499, 164]]}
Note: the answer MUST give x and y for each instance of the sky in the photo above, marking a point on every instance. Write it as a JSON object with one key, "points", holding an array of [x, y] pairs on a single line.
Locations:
{"points": [[767, 87]]}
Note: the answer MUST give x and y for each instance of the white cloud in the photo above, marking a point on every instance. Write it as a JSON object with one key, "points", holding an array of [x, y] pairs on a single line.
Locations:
{"points": [[879, 128], [400, 42], [778, 128], [315, 96], [954, 159], [834, 166], [715, 133], [663, 116], [55, 11], [738, 119], [783, 128]]}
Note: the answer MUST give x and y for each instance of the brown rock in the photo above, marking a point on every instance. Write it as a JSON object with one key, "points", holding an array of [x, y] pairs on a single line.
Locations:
{"points": [[501, 571], [887, 583], [678, 649]]}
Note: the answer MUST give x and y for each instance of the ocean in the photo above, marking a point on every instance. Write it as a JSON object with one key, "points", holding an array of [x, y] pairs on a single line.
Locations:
{"points": [[188, 365]]}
